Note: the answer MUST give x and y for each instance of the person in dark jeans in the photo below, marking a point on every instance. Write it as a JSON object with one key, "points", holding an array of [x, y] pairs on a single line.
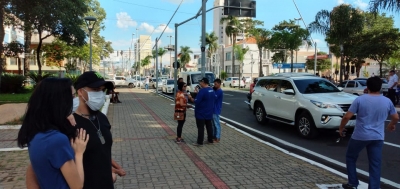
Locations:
{"points": [[203, 112], [392, 84], [181, 105]]}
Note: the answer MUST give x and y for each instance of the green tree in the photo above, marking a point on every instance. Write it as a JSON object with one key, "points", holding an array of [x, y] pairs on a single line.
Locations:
{"points": [[262, 37], [185, 56], [339, 26], [13, 49], [322, 64], [392, 5], [240, 54], [211, 44], [287, 35], [161, 53], [232, 29]]}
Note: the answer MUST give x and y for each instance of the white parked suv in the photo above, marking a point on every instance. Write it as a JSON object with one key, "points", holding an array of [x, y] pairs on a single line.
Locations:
{"points": [[303, 100]]}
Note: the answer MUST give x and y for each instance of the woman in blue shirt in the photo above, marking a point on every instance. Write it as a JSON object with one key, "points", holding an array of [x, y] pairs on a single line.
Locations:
{"points": [[55, 147]]}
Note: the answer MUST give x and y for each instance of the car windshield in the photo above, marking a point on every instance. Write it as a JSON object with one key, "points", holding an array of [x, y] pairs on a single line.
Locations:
{"points": [[309, 86], [197, 77], [235, 78], [170, 82], [362, 82]]}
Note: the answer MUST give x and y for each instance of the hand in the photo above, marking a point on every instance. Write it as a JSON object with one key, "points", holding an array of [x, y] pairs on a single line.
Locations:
{"points": [[71, 120], [80, 141], [121, 172], [341, 133], [391, 127]]}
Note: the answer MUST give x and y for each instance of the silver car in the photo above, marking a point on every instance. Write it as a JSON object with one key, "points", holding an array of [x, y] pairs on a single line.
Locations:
{"points": [[355, 87]]}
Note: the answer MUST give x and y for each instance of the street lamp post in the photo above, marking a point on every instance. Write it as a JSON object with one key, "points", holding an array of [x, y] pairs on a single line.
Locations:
{"points": [[90, 22], [170, 62]]}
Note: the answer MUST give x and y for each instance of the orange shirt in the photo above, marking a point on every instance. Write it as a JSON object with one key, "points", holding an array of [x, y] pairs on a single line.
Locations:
{"points": [[252, 88], [180, 95]]}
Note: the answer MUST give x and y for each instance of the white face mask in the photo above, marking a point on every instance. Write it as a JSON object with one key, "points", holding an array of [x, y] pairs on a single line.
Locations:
{"points": [[96, 100], [75, 104]]}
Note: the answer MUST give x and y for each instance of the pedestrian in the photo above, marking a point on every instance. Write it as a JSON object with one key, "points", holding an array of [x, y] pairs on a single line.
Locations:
{"points": [[203, 112], [56, 147], [114, 95], [369, 132], [146, 83], [97, 162], [252, 85], [181, 105], [392, 85], [217, 109]]}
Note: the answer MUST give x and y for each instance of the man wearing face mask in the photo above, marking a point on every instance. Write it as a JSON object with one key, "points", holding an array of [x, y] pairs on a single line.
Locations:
{"points": [[97, 162]]}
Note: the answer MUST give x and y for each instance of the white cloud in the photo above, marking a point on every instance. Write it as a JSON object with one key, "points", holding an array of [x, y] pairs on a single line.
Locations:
{"points": [[151, 29], [125, 21], [339, 2], [360, 4]]}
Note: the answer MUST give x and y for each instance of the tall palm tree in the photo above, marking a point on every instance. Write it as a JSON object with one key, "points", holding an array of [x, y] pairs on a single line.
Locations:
{"points": [[185, 56], [161, 52], [145, 62], [211, 43], [232, 29], [240, 53], [262, 37], [391, 5]]}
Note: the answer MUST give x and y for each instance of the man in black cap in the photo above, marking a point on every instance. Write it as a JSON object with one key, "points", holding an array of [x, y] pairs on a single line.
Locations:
{"points": [[97, 161], [204, 111]]}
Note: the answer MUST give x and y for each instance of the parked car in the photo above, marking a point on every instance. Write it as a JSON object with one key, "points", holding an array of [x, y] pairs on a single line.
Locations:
{"points": [[153, 83], [122, 81], [192, 80], [168, 86], [385, 86], [356, 87], [307, 102], [233, 82], [140, 82]]}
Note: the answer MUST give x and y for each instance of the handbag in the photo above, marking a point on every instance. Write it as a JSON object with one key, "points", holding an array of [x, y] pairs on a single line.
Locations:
{"points": [[179, 115]]}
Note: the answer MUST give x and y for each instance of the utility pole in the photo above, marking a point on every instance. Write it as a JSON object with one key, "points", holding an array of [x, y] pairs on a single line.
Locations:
{"points": [[170, 57], [203, 38]]}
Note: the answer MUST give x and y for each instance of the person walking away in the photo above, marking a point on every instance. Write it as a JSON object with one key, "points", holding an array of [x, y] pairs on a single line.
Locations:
{"points": [[392, 84], [369, 132], [204, 112], [217, 110], [56, 147], [146, 83], [181, 105], [97, 162]]}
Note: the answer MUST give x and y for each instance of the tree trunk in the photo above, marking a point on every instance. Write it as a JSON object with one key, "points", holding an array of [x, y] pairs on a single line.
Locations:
{"points": [[27, 44], [358, 69], [2, 33], [233, 55], [380, 69], [38, 54], [291, 61], [260, 73], [19, 66]]}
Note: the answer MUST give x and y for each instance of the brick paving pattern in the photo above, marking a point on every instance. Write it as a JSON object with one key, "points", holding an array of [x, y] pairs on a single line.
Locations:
{"points": [[144, 133]]}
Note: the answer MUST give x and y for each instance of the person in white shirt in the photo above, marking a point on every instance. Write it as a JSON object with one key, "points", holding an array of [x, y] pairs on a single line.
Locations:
{"points": [[392, 85], [146, 83]]}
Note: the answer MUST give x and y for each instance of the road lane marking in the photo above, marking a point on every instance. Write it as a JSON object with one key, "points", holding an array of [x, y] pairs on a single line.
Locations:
{"points": [[389, 182], [391, 144], [226, 103], [228, 94]]}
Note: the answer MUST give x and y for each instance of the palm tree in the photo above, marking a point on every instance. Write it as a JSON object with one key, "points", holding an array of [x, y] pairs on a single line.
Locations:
{"points": [[185, 56], [232, 29], [211, 43], [262, 37], [240, 53], [392, 5], [161, 52], [145, 62]]}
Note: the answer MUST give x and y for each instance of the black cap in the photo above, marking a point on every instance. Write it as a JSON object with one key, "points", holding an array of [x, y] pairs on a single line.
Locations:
{"points": [[204, 80], [92, 79]]}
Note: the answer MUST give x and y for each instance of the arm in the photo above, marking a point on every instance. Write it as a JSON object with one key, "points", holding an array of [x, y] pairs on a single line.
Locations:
{"points": [[344, 121], [116, 168], [31, 180], [393, 122]]}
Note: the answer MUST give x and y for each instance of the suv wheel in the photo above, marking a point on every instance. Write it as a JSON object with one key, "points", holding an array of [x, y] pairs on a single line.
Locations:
{"points": [[305, 126], [130, 85], [260, 114]]}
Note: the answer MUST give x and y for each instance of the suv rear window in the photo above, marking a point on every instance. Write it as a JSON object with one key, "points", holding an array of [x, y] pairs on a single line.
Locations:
{"points": [[309, 86]]}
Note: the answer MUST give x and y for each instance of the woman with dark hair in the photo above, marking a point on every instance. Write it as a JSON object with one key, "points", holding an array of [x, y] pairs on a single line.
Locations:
{"points": [[181, 106], [55, 147]]}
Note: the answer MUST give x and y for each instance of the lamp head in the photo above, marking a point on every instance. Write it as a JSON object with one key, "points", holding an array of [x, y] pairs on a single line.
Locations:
{"points": [[90, 22]]}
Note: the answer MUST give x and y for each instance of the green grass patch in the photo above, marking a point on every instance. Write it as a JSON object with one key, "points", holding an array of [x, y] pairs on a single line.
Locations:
{"points": [[16, 97]]}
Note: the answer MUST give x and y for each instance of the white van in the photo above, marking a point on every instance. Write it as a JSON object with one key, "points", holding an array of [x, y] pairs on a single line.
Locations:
{"points": [[192, 79]]}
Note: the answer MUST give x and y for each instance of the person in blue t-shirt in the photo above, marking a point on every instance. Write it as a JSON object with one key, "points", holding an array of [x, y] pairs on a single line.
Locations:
{"points": [[217, 110], [204, 112], [371, 109], [55, 146]]}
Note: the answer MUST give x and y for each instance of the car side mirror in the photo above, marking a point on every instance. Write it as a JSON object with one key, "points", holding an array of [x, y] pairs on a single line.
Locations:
{"points": [[340, 88], [288, 91]]}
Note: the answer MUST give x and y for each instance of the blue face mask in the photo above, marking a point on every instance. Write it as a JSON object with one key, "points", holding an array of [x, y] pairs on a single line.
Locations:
{"points": [[96, 99]]}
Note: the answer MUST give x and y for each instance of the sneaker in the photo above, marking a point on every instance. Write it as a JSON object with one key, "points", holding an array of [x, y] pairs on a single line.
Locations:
{"points": [[198, 145], [348, 186], [207, 142], [178, 140]]}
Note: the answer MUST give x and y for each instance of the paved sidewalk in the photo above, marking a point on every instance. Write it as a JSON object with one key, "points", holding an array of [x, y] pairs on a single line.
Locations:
{"points": [[144, 133]]}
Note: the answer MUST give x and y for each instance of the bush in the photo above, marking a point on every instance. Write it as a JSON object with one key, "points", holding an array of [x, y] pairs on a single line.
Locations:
{"points": [[223, 75], [37, 78], [11, 83], [73, 77]]}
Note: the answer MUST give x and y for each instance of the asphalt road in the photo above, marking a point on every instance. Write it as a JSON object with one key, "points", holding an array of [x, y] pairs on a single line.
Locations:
{"points": [[333, 153]]}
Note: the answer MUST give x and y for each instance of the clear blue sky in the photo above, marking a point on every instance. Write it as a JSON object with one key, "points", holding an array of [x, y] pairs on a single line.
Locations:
{"points": [[124, 16]]}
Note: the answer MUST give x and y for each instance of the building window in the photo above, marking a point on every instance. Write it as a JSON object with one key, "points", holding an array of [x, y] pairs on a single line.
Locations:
{"points": [[228, 56], [13, 61], [228, 69], [237, 69]]}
